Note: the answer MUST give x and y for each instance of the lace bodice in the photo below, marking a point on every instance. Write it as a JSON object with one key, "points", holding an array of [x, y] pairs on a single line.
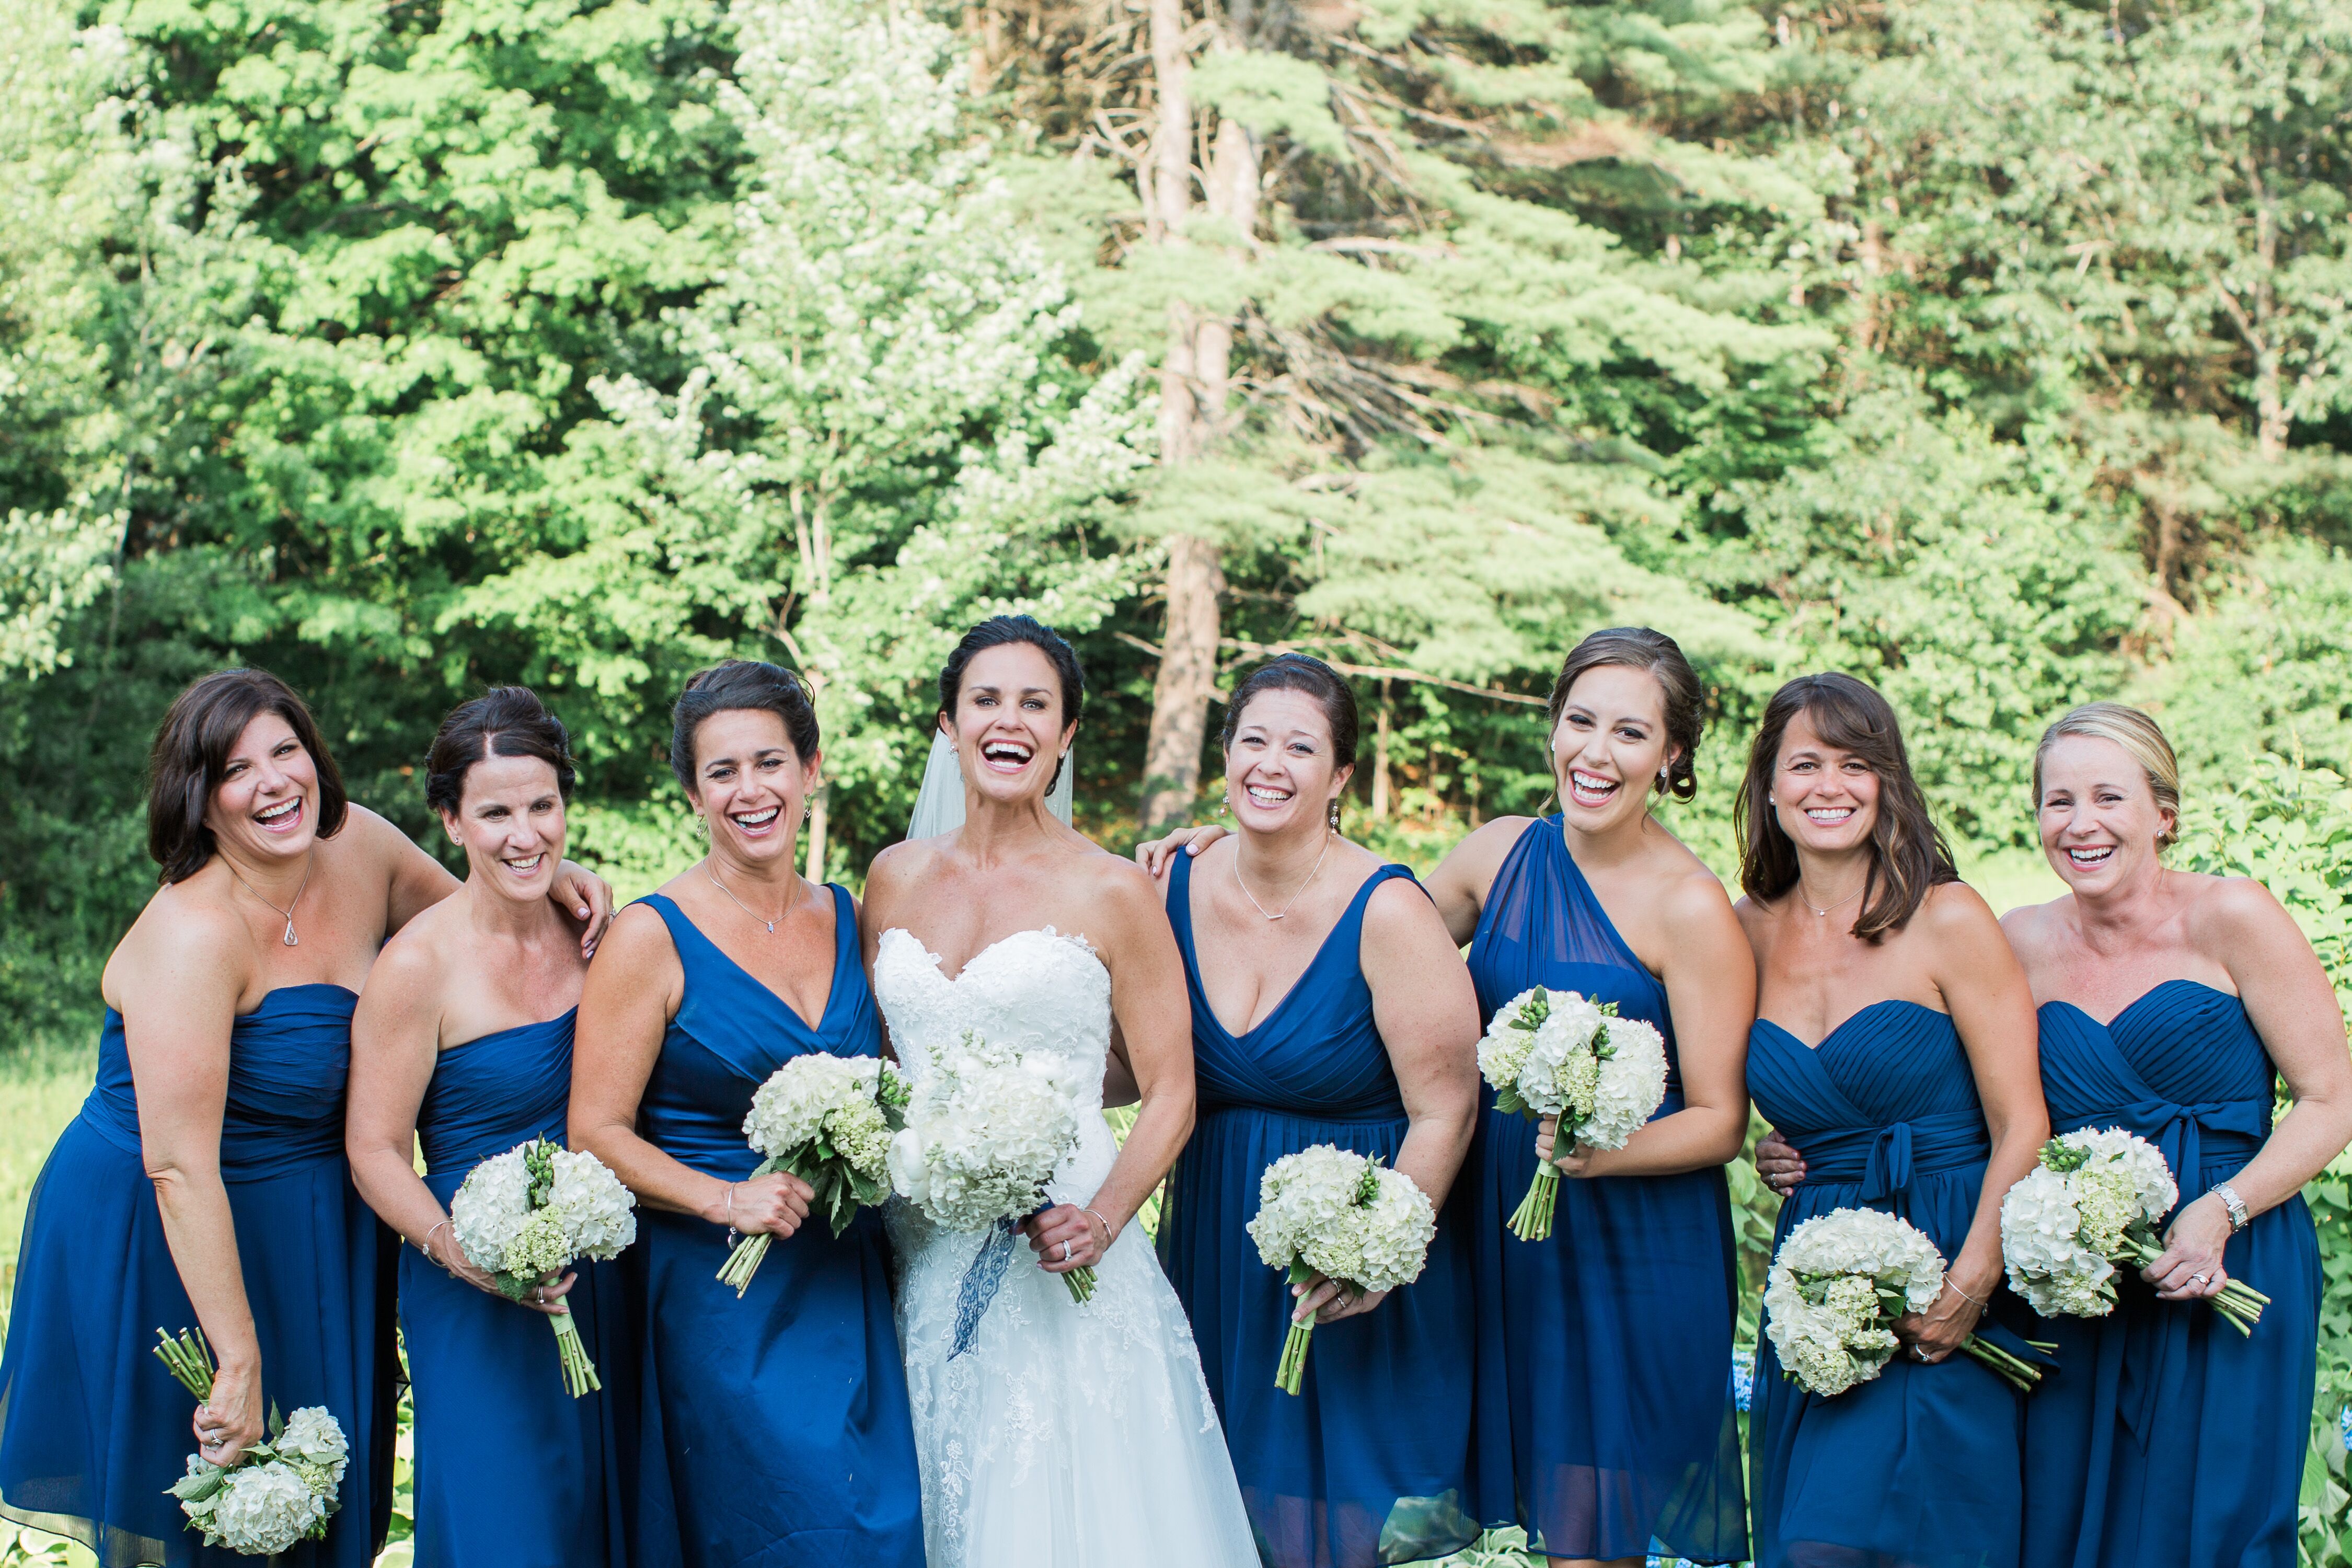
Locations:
{"points": [[1041, 992]]}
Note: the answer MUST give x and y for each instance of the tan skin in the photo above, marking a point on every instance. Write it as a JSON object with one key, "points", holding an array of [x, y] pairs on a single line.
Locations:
{"points": [[1010, 868], [208, 949], [1814, 974], [1607, 748], [1281, 777], [750, 789], [495, 956]]}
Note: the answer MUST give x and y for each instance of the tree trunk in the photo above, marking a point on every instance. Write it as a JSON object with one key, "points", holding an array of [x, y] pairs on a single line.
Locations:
{"points": [[817, 825], [1380, 786]]}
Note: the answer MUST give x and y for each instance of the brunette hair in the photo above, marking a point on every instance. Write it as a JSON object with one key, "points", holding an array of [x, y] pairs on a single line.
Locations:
{"points": [[997, 631], [504, 721], [2142, 739], [1908, 853], [1639, 647], [191, 752], [740, 685], [1298, 672]]}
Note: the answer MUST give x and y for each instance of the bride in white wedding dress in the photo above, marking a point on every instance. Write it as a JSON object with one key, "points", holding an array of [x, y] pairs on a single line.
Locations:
{"points": [[1065, 1435]]}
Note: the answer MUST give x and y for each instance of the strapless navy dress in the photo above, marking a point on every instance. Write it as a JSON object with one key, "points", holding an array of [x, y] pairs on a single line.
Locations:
{"points": [[92, 1428], [1920, 1467], [511, 1471], [1365, 1465], [775, 1428], [1604, 1415], [2166, 1435]]}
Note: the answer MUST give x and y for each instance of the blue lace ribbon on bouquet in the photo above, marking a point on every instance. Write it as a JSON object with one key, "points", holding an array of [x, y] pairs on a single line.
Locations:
{"points": [[984, 1277]]}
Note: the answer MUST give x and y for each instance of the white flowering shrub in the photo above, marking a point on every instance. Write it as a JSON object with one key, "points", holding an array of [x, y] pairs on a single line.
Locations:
{"points": [[1324, 1211]]}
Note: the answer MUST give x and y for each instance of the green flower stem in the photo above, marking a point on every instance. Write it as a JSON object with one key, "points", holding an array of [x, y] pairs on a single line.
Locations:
{"points": [[2021, 1375], [579, 1371], [1287, 1376], [744, 1259], [1081, 1281], [2240, 1304], [1531, 1221], [189, 1359]]}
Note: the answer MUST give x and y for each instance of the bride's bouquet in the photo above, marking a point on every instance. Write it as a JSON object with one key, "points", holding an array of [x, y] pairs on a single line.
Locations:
{"points": [[532, 1212], [1346, 1217], [1556, 1053], [1839, 1283], [827, 1120], [985, 1131], [2093, 1200], [280, 1492]]}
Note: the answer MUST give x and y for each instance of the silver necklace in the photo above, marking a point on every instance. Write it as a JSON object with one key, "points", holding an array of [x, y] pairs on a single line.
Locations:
{"points": [[1293, 897], [742, 905], [290, 939], [1839, 905]]}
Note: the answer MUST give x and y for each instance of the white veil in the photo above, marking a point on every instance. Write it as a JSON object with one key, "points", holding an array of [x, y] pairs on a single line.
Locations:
{"points": [[938, 806]]}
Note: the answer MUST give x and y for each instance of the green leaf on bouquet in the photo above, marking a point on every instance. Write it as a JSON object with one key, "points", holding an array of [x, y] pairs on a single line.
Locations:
{"points": [[1507, 1101]]}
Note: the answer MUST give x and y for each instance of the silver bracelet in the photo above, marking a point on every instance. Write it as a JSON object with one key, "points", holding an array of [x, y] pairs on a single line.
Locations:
{"points": [[730, 1213], [1966, 1297], [1109, 1235], [2239, 1217], [426, 1247]]}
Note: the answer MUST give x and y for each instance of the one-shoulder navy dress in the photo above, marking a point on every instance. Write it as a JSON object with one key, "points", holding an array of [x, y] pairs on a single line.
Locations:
{"points": [[1365, 1465], [92, 1428], [1604, 1413], [511, 1471], [2166, 1435], [1919, 1467], [774, 1428]]}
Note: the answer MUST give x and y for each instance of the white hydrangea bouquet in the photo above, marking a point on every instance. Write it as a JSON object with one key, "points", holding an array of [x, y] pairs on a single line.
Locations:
{"points": [[827, 1120], [1836, 1287], [280, 1492], [1556, 1053], [2093, 1201], [1324, 1211], [533, 1211], [985, 1131]]}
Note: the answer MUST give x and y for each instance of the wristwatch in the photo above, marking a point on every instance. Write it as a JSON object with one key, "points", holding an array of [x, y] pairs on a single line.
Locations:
{"points": [[2239, 1217]]}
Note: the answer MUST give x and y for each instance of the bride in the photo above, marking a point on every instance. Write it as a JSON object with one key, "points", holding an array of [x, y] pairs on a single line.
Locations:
{"points": [[1063, 1436]]}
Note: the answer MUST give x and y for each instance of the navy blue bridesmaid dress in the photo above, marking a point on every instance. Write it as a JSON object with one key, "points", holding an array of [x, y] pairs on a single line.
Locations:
{"points": [[775, 1428], [1365, 1465], [512, 1470], [1920, 1467], [1604, 1415], [2166, 1435], [92, 1428]]}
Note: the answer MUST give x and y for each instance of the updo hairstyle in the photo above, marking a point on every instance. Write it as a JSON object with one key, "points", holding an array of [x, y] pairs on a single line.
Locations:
{"points": [[2142, 739], [1299, 672], [191, 752], [1639, 647], [998, 631], [504, 721], [740, 685]]}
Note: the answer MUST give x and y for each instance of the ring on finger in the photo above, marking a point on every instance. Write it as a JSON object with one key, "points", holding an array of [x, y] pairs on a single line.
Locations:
{"points": [[1065, 1252]]}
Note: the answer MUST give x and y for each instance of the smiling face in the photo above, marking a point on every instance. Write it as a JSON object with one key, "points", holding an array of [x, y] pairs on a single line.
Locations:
{"points": [[1825, 798], [1282, 770], [509, 822], [750, 783], [1609, 745], [2098, 814], [265, 807], [1007, 727]]}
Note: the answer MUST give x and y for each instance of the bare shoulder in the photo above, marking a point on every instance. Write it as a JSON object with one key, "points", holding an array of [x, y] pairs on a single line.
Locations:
{"points": [[2028, 926], [418, 952], [187, 928], [368, 838], [1484, 850], [1956, 912], [637, 941], [1688, 888], [1114, 880], [902, 865], [1401, 907], [2225, 912]]}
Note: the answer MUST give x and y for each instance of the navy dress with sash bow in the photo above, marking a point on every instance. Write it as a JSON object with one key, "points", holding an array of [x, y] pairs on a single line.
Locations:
{"points": [[92, 1428], [1920, 1467], [512, 1470], [775, 1428], [2166, 1435], [1604, 1418], [1367, 1464]]}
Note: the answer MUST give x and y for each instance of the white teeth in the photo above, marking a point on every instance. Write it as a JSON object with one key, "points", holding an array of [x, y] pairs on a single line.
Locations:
{"points": [[527, 866], [1591, 784], [756, 818], [1006, 751], [2091, 857], [1830, 814], [1264, 796], [276, 812]]}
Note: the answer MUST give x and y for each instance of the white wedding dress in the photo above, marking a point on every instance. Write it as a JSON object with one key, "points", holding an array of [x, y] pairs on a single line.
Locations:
{"points": [[1065, 1436]]}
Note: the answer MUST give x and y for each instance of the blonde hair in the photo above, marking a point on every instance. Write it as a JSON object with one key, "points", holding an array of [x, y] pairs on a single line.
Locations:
{"points": [[2142, 740]]}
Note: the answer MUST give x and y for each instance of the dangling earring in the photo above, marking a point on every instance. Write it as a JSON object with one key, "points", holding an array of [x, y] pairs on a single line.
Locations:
{"points": [[1225, 803], [701, 827], [1334, 819]]}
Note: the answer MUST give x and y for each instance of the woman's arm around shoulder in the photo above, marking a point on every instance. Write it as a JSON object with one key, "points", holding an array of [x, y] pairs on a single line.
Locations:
{"points": [[1460, 884]]}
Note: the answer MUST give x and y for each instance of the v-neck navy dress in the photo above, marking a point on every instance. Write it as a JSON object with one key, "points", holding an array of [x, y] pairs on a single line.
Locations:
{"points": [[1365, 1465], [774, 1428]]}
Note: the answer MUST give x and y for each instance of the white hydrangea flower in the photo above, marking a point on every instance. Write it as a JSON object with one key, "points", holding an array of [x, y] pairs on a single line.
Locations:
{"points": [[598, 1214], [1503, 1049], [489, 1209], [1822, 1308], [1630, 1084], [2063, 1226], [1343, 1216], [523, 1224], [983, 1137], [263, 1510], [314, 1444]]}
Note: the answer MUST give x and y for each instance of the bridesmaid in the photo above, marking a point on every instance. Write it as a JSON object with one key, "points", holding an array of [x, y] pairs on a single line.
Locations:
{"points": [[1896, 1051], [2170, 1002], [774, 1428], [204, 1182], [1604, 1417], [1328, 1006], [463, 1042]]}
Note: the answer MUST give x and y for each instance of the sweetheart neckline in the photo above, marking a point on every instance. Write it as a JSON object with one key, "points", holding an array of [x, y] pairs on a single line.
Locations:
{"points": [[2150, 994], [1851, 1019], [938, 965]]}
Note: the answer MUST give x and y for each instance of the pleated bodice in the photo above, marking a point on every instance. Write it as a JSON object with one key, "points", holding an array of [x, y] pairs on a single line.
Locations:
{"points": [[492, 1094], [2181, 1066]]}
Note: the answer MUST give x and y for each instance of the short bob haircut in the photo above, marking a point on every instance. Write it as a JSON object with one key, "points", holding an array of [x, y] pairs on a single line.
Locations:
{"points": [[2143, 741], [504, 721], [1908, 854], [1639, 648], [740, 685], [192, 751]]}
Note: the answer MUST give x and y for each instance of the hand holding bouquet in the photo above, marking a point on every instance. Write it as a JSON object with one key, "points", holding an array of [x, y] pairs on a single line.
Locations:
{"points": [[278, 1492], [1556, 1053], [1325, 1212], [2093, 1200], [531, 1212], [827, 1120], [1839, 1283]]}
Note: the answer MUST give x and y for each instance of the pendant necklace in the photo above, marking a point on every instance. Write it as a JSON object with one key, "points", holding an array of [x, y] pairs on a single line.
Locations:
{"points": [[290, 939], [742, 905], [1839, 905], [1293, 897]]}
